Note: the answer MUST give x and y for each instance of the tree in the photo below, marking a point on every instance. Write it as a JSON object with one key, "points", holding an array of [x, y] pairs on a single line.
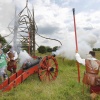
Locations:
{"points": [[96, 49], [49, 49], [6, 49], [3, 41], [42, 49], [55, 48]]}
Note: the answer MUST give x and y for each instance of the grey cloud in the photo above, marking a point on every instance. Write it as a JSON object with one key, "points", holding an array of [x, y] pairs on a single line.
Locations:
{"points": [[70, 29], [88, 28], [7, 12], [45, 41], [48, 29], [88, 20]]}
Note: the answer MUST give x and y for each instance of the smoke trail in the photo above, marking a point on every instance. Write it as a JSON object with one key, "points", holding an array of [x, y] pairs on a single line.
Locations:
{"points": [[16, 25]]}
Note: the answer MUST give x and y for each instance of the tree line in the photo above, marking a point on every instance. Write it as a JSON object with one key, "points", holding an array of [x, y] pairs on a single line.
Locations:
{"points": [[43, 49], [96, 49]]}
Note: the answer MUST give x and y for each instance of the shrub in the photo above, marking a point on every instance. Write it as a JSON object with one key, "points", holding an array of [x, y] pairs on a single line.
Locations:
{"points": [[49, 49], [42, 49], [55, 48]]}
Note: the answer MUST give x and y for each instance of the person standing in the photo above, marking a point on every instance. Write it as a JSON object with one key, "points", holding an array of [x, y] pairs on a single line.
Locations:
{"points": [[91, 74], [3, 66], [12, 64], [92, 67]]}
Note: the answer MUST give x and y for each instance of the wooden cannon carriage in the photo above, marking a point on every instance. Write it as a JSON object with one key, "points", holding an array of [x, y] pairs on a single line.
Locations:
{"points": [[46, 67]]}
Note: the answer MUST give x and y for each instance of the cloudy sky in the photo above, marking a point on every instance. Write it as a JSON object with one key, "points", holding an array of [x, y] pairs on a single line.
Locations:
{"points": [[54, 19]]}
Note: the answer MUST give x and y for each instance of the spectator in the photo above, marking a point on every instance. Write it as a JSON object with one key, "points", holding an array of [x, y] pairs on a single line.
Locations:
{"points": [[3, 65]]}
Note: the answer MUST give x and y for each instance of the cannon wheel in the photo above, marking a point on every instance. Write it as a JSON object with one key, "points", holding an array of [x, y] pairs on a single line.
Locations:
{"points": [[48, 69]]}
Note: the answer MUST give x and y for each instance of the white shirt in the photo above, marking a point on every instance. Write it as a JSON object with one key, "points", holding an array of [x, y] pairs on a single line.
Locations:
{"points": [[15, 54], [82, 61]]}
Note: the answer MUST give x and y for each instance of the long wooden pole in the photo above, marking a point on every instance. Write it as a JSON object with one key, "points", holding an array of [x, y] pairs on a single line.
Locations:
{"points": [[78, 65]]}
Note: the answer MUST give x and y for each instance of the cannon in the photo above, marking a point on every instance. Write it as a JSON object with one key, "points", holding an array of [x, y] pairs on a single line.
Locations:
{"points": [[46, 67]]}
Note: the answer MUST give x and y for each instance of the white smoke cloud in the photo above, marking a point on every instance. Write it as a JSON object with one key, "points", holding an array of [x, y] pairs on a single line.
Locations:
{"points": [[58, 16], [86, 42], [23, 56]]}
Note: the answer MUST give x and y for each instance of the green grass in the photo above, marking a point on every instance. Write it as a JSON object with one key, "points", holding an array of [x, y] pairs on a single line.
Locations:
{"points": [[65, 87]]}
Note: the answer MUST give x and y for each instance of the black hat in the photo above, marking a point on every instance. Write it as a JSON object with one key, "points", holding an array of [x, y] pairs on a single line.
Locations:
{"points": [[92, 53]]}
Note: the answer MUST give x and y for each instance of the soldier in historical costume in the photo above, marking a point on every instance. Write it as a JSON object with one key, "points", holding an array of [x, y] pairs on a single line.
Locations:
{"points": [[92, 66], [12, 64]]}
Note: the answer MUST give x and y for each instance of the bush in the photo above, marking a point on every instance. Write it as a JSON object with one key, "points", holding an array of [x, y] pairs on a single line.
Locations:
{"points": [[49, 49], [55, 48], [42, 49]]}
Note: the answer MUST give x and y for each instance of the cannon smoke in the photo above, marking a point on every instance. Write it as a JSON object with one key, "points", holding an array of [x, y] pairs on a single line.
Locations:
{"points": [[23, 56], [86, 43]]}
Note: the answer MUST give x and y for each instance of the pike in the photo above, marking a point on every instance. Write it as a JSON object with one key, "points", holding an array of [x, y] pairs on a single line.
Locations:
{"points": [[78, 65]]}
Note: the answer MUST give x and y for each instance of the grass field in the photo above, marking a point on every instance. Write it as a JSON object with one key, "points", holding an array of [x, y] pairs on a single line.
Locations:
{"points": [[65, 87]]}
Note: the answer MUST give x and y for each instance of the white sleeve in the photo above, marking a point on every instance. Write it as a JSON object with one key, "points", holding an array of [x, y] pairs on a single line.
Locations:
{"points": [[79, 59], [15, 55], [7, 55]]}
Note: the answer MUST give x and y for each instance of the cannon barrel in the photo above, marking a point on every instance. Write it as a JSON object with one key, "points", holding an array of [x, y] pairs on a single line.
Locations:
{"points": [[32, 63]]}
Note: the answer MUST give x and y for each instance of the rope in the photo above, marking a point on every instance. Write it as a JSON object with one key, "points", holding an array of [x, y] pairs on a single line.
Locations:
{"points": [[46, 37], [7, 35]]}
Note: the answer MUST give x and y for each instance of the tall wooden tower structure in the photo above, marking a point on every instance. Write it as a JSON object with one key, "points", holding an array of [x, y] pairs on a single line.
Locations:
{"points": [[25, 28]]}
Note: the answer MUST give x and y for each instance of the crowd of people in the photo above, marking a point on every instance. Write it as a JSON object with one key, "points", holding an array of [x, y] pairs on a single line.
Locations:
{"points": [[7, 62]]}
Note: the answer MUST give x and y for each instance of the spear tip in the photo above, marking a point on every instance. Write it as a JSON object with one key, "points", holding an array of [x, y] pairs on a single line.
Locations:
{"points": [[73, 11]]}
